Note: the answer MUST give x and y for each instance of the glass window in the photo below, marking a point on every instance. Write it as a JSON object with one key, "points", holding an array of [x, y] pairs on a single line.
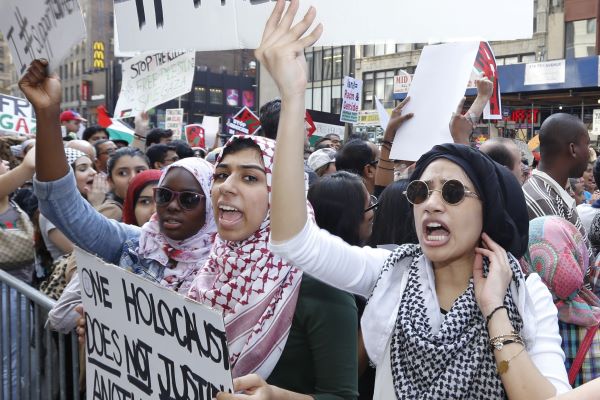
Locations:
{"points": [[77, 93], [310, 65], [380, 85], [368, 89], [528, 58], [317, 99], [327, 64], [216, 96], [326, 99], [308, 98], [580, 38], [72, 93], [66, 95], [368, 51], [336, 99], [348, 67], [400, 48], [83, 66], [337, 63], [318, 62], [200, 94]]}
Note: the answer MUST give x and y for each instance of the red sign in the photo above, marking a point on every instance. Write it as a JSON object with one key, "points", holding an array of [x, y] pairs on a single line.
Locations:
{"points": [[86, 90], [485, 63], [194, 134], [249, 119], [310, 125], [524, 115]]}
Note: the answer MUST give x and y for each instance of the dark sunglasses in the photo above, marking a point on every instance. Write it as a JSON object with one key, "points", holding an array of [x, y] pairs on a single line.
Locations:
{"points": [[453, 192], [187, 200], [372, 203]]}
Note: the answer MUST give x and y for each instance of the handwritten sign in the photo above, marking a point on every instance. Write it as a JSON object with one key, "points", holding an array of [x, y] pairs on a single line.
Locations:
{"points": [[41, 29], [153, 25], [152, 79], [351, 99], [144, 341], [16, 115], [174, 120]]}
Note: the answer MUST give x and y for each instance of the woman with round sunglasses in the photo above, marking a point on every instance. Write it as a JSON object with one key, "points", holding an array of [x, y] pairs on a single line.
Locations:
{"points": [[451, 317]]}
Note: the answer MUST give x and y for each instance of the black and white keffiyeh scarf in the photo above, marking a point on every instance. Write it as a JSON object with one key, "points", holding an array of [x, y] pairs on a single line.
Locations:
{"points": [[454, 361]]}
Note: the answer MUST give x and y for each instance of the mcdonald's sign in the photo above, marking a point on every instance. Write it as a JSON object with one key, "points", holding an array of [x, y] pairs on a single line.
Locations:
{"points": [[98, 48]]}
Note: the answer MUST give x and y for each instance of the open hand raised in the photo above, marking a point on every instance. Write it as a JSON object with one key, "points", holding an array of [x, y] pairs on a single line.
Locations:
{"points": [[282, 47]]}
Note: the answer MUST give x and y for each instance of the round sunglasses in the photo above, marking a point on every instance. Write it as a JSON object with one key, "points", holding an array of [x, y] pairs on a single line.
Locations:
{"points": [[187, 200], [453, 192]]}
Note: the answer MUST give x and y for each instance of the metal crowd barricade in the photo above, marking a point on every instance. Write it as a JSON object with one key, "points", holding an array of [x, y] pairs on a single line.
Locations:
{"points": [[35, 362]]}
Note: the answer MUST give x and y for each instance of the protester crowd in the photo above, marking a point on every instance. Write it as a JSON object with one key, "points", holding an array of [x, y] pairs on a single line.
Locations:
{"points": [[464, 274]]}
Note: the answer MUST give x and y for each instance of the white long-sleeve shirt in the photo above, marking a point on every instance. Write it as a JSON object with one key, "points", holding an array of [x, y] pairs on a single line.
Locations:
{"points": [[357, 269]]}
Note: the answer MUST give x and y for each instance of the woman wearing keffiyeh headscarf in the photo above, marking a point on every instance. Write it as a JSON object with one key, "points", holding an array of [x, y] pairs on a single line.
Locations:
{"points": [[278, 321], [557, 252], [450, 318]]}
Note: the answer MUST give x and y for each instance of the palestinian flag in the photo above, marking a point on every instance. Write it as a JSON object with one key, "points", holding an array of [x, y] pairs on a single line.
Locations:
{"points": [[116, 129]]}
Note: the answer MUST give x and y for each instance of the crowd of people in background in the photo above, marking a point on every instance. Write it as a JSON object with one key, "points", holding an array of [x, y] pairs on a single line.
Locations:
{"points": [[468, 273]]}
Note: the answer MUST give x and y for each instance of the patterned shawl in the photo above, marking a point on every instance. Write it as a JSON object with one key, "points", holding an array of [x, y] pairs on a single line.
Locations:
{"points": [[256, 290], [557, 252]]}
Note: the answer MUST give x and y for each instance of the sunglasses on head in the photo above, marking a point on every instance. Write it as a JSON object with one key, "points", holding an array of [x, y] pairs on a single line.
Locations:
{"points": [[372, 203], [453, 192], [187, 200]]}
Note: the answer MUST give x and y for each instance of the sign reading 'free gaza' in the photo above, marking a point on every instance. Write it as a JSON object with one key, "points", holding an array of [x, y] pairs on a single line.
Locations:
{"points": [[152, 79], [16, 115], [144, 341], [41, 29]]}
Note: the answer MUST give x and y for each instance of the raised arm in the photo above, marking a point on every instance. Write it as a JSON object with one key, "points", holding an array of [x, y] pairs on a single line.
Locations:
{"points": [[282, 53], [44, 93], [461, 125], [385, 167], [16, 177]]}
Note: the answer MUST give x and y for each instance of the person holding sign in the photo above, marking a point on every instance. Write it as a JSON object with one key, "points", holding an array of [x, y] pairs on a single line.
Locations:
{"points": [[295, 332], [451, 317], [169, 249]]}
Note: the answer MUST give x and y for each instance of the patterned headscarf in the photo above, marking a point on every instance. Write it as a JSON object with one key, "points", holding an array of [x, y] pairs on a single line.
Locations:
{"points": [[557, 252], [256, 290], [73, 155], [191, 253]]}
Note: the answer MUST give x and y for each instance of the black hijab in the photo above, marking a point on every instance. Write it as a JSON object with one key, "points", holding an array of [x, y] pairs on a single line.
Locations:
{"points": [[505, 217]]}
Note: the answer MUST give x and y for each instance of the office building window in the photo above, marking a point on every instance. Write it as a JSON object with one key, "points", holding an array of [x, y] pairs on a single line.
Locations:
{"points": [[378, 84], [580, 38], [199, 95], [318, 66], [374, 50], [310, 65], [337, 63], [216, 96], [336, 99], [327, 64]]}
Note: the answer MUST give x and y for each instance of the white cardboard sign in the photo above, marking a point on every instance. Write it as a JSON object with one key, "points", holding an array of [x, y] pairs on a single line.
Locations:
{"points": [[437, 87], [150, 25], [152, 79], [41, 29], [211, 127], [144, 341]]}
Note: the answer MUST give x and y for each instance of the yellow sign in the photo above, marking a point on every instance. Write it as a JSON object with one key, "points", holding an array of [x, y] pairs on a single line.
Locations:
{"points": [[98, 55]]}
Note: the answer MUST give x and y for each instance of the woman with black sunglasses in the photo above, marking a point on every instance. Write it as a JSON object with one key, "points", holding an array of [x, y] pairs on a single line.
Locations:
{"points": [[168, 249], [450, 318]]}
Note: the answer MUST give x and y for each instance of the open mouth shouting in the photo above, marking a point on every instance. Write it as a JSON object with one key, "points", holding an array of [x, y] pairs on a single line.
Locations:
{"points": [[435, 233], [228, 216]]}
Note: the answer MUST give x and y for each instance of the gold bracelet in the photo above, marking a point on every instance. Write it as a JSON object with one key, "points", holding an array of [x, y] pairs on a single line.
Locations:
{"points": [[503, 365], [498, 342]]}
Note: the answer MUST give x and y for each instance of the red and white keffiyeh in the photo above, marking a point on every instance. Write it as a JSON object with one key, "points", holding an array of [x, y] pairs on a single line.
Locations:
{"points": [[191, 253], [256, 290]]}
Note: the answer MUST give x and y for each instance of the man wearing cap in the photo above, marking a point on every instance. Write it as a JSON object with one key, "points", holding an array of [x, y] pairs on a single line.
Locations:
{"points": [[71, 121], [322, 162]]}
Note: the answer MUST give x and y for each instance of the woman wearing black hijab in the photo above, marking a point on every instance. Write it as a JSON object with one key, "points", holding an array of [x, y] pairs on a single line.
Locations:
{"points": [[450, 318]]}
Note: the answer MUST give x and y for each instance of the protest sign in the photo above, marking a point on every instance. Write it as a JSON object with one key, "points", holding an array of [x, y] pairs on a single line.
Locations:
{"points": [[16, 115], [235, 127], [145, 341], [384, 117], [155, 25], [41, 29], [211, 127], [485, 64], [429, 126], [194, 133], [596, 122], [309, 124], [351, 99], [174, 120], [249, 119], [152, 79]]}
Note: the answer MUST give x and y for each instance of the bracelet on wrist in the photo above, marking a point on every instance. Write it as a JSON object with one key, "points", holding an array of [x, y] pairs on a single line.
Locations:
{"points": [[490, 315], [387, 142]]}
